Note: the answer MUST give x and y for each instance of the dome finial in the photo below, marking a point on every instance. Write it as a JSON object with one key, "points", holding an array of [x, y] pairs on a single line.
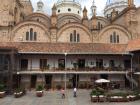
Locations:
{"points": [[85, 12], [54, 6], [54, 10], [93, 8], [40, 6]]}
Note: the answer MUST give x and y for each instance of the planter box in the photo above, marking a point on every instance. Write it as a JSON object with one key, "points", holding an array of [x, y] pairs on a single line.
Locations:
{"points": [[2, 94], [39, 93], [18, 94], [131, 98], [94, 98], [118, 99], [102, 98]]}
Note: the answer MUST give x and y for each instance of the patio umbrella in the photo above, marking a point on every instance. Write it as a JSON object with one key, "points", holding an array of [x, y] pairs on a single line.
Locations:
{"points": [[102, 81]]}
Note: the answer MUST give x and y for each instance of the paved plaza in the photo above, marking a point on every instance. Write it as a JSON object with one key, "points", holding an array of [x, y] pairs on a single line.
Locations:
{"points": [[54, 98]]}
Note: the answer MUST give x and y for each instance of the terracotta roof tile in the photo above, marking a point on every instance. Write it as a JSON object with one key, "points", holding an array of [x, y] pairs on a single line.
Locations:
{"points": [[133, 45], [85, 48]]}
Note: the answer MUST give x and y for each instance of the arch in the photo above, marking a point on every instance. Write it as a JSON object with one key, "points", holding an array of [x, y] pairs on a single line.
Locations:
{"points": [[40, 16], [64, 17], [44, 16], [71, 25], [61, 16], [27, 23], [114, 26], [102, 19]]}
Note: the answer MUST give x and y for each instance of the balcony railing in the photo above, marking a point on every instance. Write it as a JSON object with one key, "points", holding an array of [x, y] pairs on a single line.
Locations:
{"points": [[77, 69]]}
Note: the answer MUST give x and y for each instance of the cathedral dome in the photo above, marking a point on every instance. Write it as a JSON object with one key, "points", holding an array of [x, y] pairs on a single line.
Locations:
{"points": [[68, 6], [118, 5], [67, 1]]}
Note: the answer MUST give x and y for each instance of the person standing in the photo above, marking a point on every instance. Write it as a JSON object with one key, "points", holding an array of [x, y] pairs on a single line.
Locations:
{"points": [[75, 90], [63, 93]]}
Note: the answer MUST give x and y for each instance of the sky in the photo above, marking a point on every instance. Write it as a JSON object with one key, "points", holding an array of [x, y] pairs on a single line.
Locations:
{"points": [[99, 3]]}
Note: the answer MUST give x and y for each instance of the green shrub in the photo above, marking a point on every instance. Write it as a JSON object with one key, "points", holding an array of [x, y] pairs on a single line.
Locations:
{"points": [[118, 94], [39, 88], [93, 92], [18, 90], [97, 92], [137, 92], [2, 88], [101, 90]]}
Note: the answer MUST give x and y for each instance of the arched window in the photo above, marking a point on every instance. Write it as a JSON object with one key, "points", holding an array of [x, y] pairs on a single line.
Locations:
{"points": [[27, 36], [78, 38], [35, 36], [31, 35], [75, 37], [118, 39], [58, 10], [114, 38], [99, 24], [71, 38], [111, 39], [69, 9]]}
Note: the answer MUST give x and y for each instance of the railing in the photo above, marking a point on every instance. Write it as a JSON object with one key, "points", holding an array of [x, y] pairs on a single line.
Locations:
{"points": [[129, 76], [77, 69]]}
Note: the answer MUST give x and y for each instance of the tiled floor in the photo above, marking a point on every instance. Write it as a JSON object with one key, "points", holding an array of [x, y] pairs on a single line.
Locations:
{"points": [[54, 98]]}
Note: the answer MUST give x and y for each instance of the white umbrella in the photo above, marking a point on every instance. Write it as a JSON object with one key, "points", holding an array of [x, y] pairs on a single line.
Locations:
{"points": [[102, 81]]}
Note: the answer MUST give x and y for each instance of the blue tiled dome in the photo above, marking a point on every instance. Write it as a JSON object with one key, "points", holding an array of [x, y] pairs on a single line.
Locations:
{"points": [[67, 1], [114, 1]]}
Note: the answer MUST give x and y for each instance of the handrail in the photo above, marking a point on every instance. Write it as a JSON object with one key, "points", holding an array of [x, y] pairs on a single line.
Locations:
{"points": [[76, 69], [131, 79]]}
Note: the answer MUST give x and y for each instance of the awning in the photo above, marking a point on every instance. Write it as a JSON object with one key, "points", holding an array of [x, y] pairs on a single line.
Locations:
{"points": [[102, 81]]}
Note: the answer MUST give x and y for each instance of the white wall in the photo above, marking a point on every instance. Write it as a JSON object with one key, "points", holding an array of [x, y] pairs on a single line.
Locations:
{"points": [[64, 8], [34, 62]]}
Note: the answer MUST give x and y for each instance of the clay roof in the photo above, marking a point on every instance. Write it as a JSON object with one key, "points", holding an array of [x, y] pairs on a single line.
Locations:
{"points": [[133, 45], [71, 48]]}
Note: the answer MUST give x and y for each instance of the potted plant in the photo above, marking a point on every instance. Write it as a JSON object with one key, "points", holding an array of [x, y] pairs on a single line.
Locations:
{"points": [[48, 67], [18, 93], [2, 91], [117, 97], [39, 91], [94, 96]]}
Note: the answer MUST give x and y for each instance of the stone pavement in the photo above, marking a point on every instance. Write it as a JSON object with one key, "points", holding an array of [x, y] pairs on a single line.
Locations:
{"points": [[54, 98]]}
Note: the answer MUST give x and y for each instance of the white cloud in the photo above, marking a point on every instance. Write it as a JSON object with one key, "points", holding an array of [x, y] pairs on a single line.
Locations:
{"points": [[99, 3]]}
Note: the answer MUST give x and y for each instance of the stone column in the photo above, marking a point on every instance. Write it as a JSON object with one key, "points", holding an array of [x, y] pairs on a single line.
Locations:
{"points": [[139, 81], [52, 82]]}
